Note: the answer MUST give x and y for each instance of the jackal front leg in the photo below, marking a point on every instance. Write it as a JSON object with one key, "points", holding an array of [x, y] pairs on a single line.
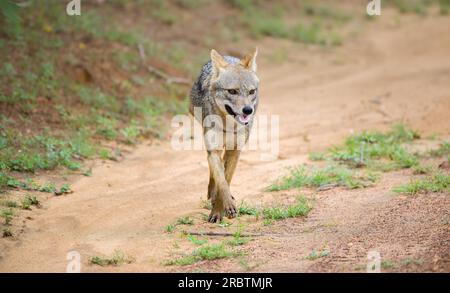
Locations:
{"points": [[223, 202], [230, 160]]}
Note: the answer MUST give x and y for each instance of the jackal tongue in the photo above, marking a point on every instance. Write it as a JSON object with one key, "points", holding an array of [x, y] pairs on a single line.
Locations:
{"points": [[243, 118]]}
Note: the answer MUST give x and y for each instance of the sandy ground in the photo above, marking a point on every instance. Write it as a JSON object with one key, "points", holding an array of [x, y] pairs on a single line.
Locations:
{"points": [[392, 72]]}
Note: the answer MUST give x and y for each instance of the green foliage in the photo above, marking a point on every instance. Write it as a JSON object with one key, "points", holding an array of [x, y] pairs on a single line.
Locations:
{"points": [[334, 175], [442, 150], [364, 148], [7, 215], [185, 221], [301, 208], [118, 258], [317, 254], [206, 252], [436, 183], [29, 201], [10, 13], [196, 240], [170, 228], [245, 209]]}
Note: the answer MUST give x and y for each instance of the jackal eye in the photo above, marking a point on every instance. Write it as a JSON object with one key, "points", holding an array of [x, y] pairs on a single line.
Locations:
{"points": [[232, 91], [252, 92]]}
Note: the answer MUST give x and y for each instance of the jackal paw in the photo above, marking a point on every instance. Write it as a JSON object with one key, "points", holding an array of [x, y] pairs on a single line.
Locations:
{"points": [[215, 217], [229, 208]]}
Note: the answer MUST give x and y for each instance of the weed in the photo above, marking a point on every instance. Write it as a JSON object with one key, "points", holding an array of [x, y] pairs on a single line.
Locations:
{"points": [[301, 208], [170, 228], [238, 239], [319, 177], [9, 204], [245, 209], [316, 156], [388, 264], [63, 190], [317, 254], [29, 201], [185, 221], [443, 150], [421, 169], [206, 252], [7, 215], [196, 240], [436, 183], [118, 258]]}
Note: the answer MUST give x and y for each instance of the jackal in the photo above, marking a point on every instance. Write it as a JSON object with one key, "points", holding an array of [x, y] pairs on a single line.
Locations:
{"points": [[226, 93]]}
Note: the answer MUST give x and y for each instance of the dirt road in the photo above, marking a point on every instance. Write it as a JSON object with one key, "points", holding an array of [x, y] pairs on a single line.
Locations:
{"points": [[392, 72]]}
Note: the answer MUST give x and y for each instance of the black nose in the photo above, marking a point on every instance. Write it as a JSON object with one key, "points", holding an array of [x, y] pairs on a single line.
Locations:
{"points": [[247, 110]]}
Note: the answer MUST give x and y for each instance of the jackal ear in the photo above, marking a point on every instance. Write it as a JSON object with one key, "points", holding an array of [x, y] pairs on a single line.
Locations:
{"points": [[249, 61], [218, 61]]}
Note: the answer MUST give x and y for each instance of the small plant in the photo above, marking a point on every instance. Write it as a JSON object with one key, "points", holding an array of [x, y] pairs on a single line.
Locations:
{"points": [[436, 183], [170, 228], [317, 254], [301, 208], [117, 259], [63, 190], [388, 264], [29, 201], [316, 156], [238, 239], [9, 204], [245, 209], [196, 240], [421, 169], [7, 215], [185, 221], [442, 150], [206, 252]]}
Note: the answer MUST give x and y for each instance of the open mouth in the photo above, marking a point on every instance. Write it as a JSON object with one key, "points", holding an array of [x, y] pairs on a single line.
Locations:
{"points": [[242, 118]]}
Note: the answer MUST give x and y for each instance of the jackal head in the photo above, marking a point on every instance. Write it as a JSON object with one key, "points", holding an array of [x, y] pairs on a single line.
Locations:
{"points": [[234, 85]]}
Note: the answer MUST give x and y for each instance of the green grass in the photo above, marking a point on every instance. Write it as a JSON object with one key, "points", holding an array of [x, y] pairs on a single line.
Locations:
{"points": [[9, 204], [436, 183], [388, 264], [369, 146], [29, 201], [185, 221], [238, 239], [317, 254], [206, 252], [442, 150], [118, 258], [170, 228], [245, 209], [334, 175], [196, 240], [301, 208], [7, 215]]}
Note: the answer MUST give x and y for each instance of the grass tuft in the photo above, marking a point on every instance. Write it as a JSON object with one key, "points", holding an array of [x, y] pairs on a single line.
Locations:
{"points": [[118, 258], [436, 183]]}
